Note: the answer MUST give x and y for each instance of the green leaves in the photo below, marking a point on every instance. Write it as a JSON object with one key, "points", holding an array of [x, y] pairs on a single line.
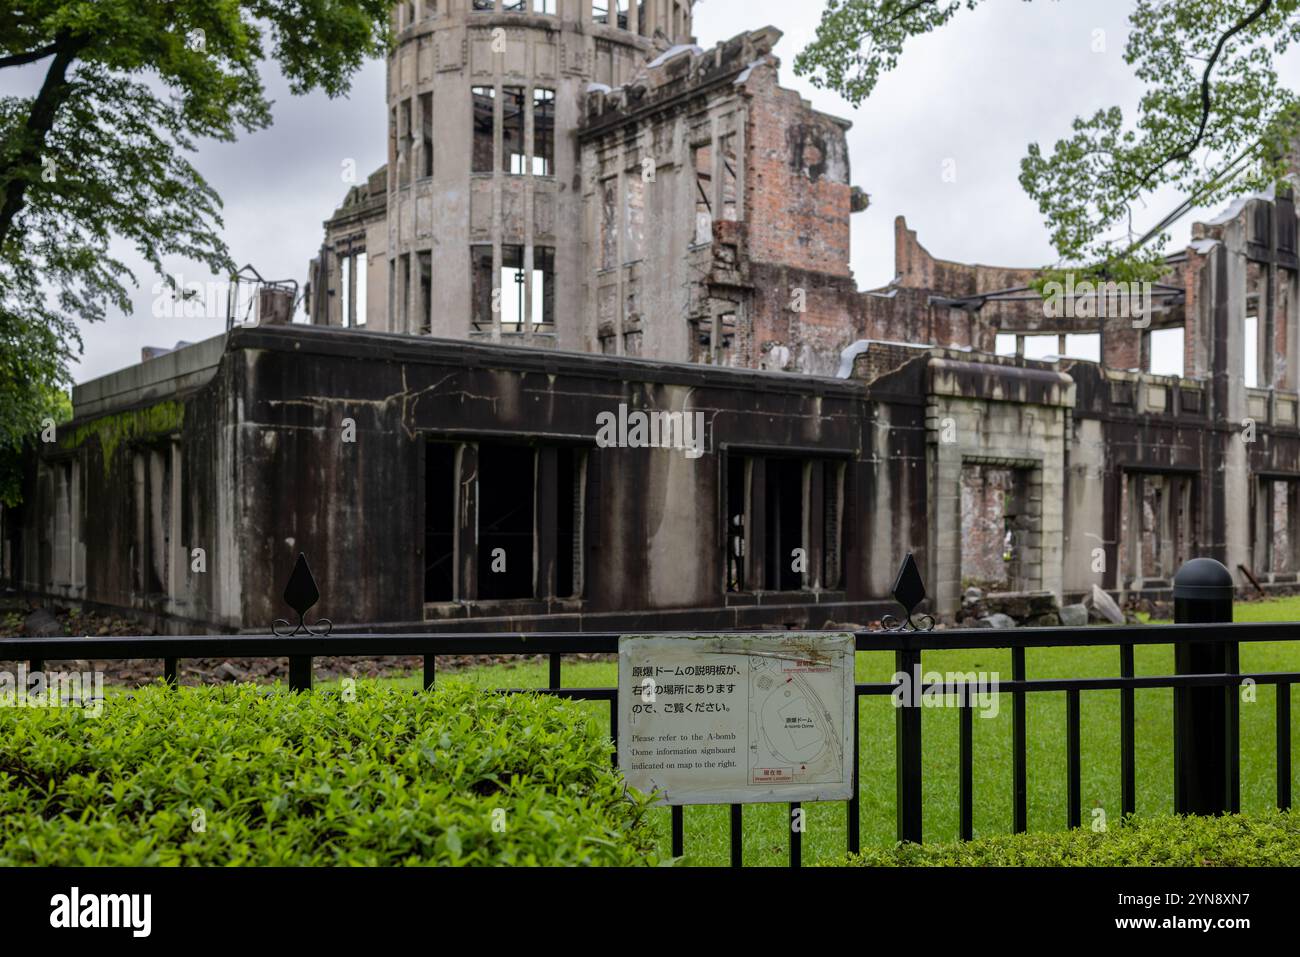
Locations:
{"points": [[858, 40], [1267, 839], [1213, 121], [101, 152], [292, 779]]}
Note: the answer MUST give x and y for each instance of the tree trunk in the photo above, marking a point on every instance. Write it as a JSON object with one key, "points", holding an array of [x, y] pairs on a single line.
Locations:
{"points": [[39, 123]]}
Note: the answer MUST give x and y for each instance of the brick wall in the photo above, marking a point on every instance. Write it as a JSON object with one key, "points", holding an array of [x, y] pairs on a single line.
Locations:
{"points": [[797, 191]]}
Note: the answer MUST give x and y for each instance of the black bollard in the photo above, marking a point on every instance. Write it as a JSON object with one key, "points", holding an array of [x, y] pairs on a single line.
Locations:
{"points": [[1206, 741]]}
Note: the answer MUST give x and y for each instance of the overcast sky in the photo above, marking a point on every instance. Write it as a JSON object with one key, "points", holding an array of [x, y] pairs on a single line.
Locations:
{"points": [[975, 92]]}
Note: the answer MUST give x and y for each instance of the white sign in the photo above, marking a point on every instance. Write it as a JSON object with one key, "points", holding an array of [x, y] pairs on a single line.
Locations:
{"points": [[731, 719]]}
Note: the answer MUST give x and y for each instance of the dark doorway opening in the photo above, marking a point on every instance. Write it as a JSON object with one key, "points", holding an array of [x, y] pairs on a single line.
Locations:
{"points": [[439, 522], [784, 525], [506, 480]]}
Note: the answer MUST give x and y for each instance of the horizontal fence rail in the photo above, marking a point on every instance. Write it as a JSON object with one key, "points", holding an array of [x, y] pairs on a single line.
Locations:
{"points": [[907, 647]]}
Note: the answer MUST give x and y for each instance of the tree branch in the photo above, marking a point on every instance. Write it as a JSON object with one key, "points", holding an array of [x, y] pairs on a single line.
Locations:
{"points": [[1191, 146], [912, 7], [31, 56]]}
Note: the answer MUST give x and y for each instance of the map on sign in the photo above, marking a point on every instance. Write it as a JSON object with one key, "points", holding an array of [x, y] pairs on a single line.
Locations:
{"points": [[737, 718], [795, 735]]}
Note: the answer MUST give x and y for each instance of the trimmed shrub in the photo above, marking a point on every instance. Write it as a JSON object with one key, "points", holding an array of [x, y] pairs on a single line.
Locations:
{"points": [[239, 775], [1269, 839]]}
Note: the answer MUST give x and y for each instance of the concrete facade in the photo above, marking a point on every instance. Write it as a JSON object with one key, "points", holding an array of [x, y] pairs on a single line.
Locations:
{"points": [[681, 246]]}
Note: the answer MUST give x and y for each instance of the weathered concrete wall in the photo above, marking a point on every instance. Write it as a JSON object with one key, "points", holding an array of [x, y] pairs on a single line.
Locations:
{"points": [[151, 479], [1008, 416], [309, 439]]}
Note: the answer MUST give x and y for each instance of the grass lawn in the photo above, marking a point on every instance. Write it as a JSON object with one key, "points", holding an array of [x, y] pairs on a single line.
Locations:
{"points": [[766, 830]]}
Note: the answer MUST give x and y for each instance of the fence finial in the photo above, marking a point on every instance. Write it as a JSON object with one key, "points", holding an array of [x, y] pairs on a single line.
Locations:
{"points": [[909, 591], [301, 594]]}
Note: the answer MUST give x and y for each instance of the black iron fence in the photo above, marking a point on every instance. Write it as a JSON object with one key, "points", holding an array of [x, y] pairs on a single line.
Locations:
{"points": [[1196, 760]]}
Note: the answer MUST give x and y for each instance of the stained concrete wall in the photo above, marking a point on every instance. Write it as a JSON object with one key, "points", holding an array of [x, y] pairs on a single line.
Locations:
{"points": [[1008, 416]]}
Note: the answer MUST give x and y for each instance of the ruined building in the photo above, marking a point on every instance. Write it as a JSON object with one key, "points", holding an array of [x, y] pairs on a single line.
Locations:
{"points": [[587, 218]]}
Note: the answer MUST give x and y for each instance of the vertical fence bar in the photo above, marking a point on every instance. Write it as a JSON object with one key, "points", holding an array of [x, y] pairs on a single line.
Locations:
{"points": [[796, 834], [300, 672], [554, 676], [1284, 745], [613, 725], [171, 667], [1127, 745], [430, 671], [907, 749], [965, 759], [1020, 787], [855, 802], [737, 835], [1074, 804], [679, 836], [1232, 733]]}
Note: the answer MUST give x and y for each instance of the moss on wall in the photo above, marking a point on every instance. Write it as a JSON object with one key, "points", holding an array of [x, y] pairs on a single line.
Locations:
{"points": [[112, 430]]}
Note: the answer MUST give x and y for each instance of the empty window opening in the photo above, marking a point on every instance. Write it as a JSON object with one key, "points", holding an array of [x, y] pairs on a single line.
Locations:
{"points": [[543, 132], [600, 11], [544, 6], [484, 6], [506, 486], [1005, 344], [1083, 345], [784, 505], [514, 288], [997, 530], [1042, 347], [426, 135], [514, 160], [543, 286], [439, 522], [703, 162], [730, 196], [1250, 339], [482, 288], [1167, 351], [405, 143], [484, 121], [404, 290], [424, 303], [393, 297], [737, 498], [345, 290], [361, 303]]}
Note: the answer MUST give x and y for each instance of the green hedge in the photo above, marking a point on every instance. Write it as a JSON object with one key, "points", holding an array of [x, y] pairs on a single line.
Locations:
{"points": [[1270, 839], [294, 779]]}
